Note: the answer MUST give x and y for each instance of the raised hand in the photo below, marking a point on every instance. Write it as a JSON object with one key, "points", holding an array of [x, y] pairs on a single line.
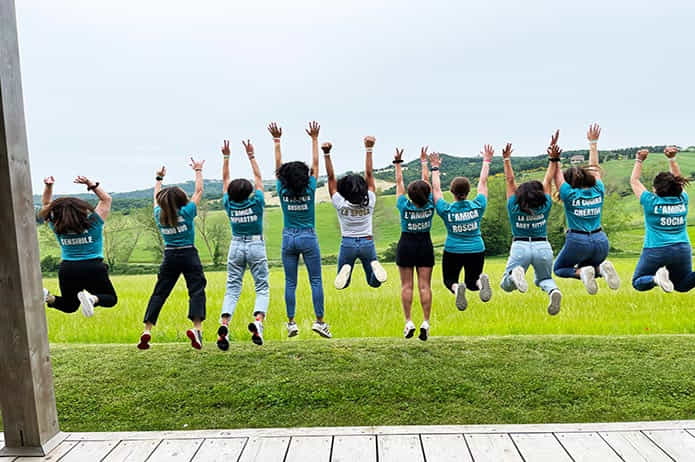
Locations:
{"points": [[554, 138], [435, 160], [326, 148], [507, 151], [313, 130], [82, 180], [423, 154], [487, 152], [49, 180], [225, 148], [369, 141], [197, 164], [671, 151], [554, 151], [642, 154], [248, 146], [398, 157], [593, 133], [162, 171], [275, 130]]}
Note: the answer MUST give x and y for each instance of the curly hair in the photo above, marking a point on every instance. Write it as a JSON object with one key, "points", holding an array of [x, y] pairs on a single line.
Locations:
{"points": [[354, 189], [294, 176], [667, 184], [530, 195], [69, 215], [239, 190]]}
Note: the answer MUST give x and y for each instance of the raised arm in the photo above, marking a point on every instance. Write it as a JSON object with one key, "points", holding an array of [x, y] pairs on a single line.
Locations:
{"points": [[313, 132], [276, 132], [47, 191], [673, 167], [197, 166], [161, 173], [104, 205], [225, 166], [508, 170], [436, 163], [487, 154], [369, 163], [593, 135], [257, 177], [397, 161], [423, 165], [555, 157], [549, 177], [637, 186], [332, 182]]}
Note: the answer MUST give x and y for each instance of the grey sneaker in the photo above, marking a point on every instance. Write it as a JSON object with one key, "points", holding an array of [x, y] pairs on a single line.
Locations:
{"points": [[343, 277], [87, 301], [461, 302], [519, 279], [292, 329], [661, 279], [256, 329], [46, 294], [485, 289], [322, 329], [609, 273], [555, 301], [379, 271], [588, 276], [196, 338]]}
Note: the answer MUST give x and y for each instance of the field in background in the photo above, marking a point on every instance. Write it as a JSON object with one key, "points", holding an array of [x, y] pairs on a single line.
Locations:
{"points": [[360, 311]]}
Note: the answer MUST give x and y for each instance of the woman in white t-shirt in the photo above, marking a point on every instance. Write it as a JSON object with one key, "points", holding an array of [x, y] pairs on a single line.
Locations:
{"points": [[354, 197]]}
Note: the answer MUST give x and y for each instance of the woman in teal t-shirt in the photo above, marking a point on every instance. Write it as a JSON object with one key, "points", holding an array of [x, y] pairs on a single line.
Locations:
{"points": [[83, 277], [666, 259], [586, 245], [174, 214], [464, 248]]}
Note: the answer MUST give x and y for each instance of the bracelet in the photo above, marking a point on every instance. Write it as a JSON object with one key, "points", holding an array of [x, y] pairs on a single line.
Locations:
{"points": [[277, 140], [159, 178], [507, 159], [487, 161], [554, 159], [198, 169], [370, 150], [638, 160], [226, 156], [671, 159], [326, 154], [93, 187], [397, 161], [251, 156], [434, 169], [593, 141]]}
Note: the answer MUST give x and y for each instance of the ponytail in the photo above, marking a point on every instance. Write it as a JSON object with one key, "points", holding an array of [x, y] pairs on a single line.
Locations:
{"points": [[666, 184]]}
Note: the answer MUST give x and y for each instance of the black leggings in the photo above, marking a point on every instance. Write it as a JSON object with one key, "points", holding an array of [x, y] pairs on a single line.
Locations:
{"points": [[176, 262], [472, 264], [79, 275]]}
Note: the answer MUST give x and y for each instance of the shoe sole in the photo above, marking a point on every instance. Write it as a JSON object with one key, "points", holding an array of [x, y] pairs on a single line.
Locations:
{"points": [[410, 333], [666, 286], [461, 302], [222, 340], [87, 305], [610, 275], [590, 285], [485, 289], [342, 278], [293, 333], [255, 338], [519, 279], [321, 333], [555, 301], [379, 272], [195, 343], [144, 342], [423, 334]]}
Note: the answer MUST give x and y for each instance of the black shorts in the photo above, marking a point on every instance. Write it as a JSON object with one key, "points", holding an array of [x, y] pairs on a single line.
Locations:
{"points": [[415, 250], [471, 263]]}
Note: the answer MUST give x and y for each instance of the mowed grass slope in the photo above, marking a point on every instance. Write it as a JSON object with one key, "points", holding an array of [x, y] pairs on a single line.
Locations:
{"points": [[361, 311]]}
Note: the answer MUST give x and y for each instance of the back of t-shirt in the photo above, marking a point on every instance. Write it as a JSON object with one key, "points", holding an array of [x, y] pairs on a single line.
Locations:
{"points": [[245, 218], [665, 219], [525, 225], [583, 206], [415, 219], [298, 210], [355, 220], [85, 246], [462, 220], [183, 234]]}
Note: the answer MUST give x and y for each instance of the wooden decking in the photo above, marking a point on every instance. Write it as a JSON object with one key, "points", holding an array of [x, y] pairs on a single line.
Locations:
{"points": [[640, 441]]}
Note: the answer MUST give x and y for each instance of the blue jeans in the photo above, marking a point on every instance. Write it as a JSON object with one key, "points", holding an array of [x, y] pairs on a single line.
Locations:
{"points": [[352, 248], [581, 250], [304, 242], [243, 251], [538, 254], [678, 260]]}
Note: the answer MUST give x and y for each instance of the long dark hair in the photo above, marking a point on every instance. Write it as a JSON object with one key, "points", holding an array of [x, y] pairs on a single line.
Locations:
{"points": [[667, 184], [530, 196], [170, 200], [419, 192], [294, 176], [579, 177], [354, 189], [239, 190], [69, 215]]}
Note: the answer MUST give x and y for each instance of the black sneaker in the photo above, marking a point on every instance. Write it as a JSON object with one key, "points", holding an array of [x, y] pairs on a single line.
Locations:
{"points": [[223, 338]]}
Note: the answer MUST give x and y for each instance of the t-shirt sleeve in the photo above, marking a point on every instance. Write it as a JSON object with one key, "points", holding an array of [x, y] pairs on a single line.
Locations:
{"points": [[372, 199], [481, 201], [548, 203], [225, 202], [684, 195], [646, 199], [600, 187], [511, 202], [312, 183], [565, 191], [156, 212], [338, 201], [260, 197], [189, 210], [442, 206], [278, 187], [401, 202]]}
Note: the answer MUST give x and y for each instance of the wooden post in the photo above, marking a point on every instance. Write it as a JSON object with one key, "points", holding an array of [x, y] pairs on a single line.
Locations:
{"points": [[27, 400]]}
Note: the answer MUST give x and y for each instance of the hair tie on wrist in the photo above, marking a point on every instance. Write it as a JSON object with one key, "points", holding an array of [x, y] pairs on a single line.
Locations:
{"points": [[198, 169], [276, 139], [487, 161], [397, 161], [434, 169], [93, 187], [252, 157], [226, 156], [370, 150], [159, 178], [554, 159], [593, 141], [637, 159]]}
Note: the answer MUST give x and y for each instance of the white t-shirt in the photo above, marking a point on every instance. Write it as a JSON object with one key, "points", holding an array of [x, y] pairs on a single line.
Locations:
{"points": [[355, 220]]}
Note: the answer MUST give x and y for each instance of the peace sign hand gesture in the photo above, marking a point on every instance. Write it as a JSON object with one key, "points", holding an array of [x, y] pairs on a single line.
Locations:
{"points": [[398, 157], [225, 148], [197, 165], [249, 148]]}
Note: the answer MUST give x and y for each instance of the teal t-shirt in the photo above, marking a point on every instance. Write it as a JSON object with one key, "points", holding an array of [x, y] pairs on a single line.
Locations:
{"points": [[525, 225], [246, 218], [298, 211], [583, 206], [665, 219], [462, 221], [183, 234], [85, 246], [415, 219]]}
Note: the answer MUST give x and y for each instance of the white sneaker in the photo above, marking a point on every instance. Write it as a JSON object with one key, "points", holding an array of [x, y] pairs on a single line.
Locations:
{"points": [[87, 301], [555, 301], [608, 272], [519, 279], [424, 331], [661, 279], [588, 276], [461, 302], [256, 329], [292, 329], [485, 289], [409, 329], [322, 329], [343, 277], [46, 294], [379, 271]]}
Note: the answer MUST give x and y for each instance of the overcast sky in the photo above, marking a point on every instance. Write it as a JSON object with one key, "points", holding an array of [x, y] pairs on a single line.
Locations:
{"points": [[115, 88]]}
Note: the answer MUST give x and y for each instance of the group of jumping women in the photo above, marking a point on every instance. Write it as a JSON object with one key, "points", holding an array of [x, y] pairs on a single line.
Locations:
{"points": [[666, 259]]}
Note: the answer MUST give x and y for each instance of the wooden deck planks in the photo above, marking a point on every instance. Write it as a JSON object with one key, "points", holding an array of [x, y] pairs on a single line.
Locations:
{"points": [[634, 447], [132, 451], [350, 448], [492, 448], [587, 447], [398, 448], [314, 448], [220, 450], [445, 448], [265, 449], [175, 451], [89, 451], [540, 447], [679, 444], [57, 452]]}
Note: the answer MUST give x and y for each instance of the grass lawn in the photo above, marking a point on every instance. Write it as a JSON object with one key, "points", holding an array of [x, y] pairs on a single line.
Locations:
{"points": [[517, 379]]}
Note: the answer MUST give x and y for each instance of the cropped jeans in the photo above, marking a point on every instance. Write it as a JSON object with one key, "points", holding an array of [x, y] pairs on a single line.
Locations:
{"points": [[352, 248], [581, 250], [246, 251], [678, 260], [538, 254], [304, 242]]}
